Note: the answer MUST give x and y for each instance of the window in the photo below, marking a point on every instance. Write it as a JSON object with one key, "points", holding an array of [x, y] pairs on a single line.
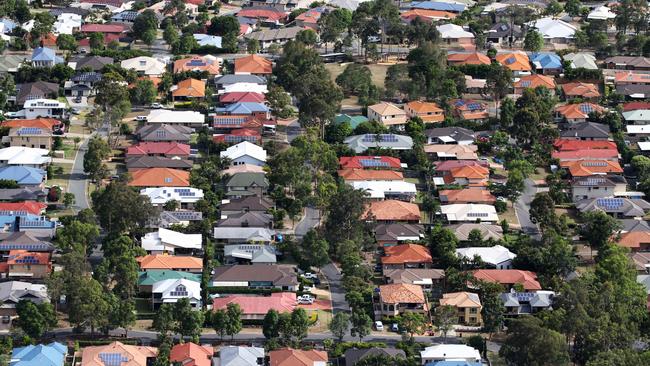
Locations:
{"points": [[472, 310], [179, 291]]}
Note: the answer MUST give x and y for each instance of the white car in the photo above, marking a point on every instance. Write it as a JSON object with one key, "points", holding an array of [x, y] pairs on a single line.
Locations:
{"points": [[310, 276], [156, 105], [305, 300], [379, 325], [141, 118], [307, 288]]}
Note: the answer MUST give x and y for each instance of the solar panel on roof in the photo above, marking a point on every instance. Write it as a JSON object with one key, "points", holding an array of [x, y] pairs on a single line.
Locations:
{"points": [[510, 60], [586, 108], [185, 192], [474, 106], [369, 138], [388, 138], [373, 163], [594, 163], [29, 131], [525, 83], [610, 203], [477, 214], [113, 359]]}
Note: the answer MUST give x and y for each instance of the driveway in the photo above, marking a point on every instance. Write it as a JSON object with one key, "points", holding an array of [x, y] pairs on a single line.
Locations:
{"points": [[310, 220], [522, 210], [333, 276]]}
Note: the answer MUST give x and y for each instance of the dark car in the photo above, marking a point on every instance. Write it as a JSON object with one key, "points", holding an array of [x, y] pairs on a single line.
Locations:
{"points": [[77, 99]]}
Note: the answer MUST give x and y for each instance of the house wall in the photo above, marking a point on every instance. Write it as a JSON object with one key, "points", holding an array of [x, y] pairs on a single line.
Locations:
{"points": [[36, 270], [41, 142], [246, 159], [470, 316], [579, 192]]}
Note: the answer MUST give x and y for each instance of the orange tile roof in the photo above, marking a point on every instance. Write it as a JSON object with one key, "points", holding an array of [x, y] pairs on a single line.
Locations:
{"points": [[296, 357], [393, 210], [630, 77], [419, 106], [535, 80], [580, 89], [401, 293], [191, 354], [634, 239], [514, 61], [46, 123], [585, 168], [427, 13], [160, 177], [509, 277], [406, 253], [190, 88], [566, 157], [16, 255], [461, 300], [573, 145], [470, 172], [163, 261], [253, 64], [32, 207], [369, 174], [579, 110], [136, 355], [467, 195], [474, 58], [199, 64]]}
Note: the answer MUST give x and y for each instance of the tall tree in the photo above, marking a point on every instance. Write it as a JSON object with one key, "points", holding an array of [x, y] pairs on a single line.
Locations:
{"points": [[120, 208], [339, 325], [445, 318], [35, 319], [270, 324], [533, 41], [528, 339], [598, 229], [234, 324], [361, 324], [412, 323]]}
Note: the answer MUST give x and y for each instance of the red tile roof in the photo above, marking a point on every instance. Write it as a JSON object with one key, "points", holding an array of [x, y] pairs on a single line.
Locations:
{"points": [[158, 148], [368, 174], [401, 293], [535, 80], [32, 207], [355, 162], [236, 97], [190, 88], [474, 58], [47, 123], [586, 168], [103, 28], [283, 302], [296, 357], [578, 111], [634, 239], [470, 172], [448, 165], [191, 354], [393, 210], [468, 195], [268, 14], [633, 106], [573, 145], [15, 257], [509, 277], [585, 154], [580, 89], [514, 61], [406, 253], [160, 177]]}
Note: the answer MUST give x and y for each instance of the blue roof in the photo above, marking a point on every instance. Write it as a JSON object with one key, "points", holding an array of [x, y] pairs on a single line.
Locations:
{"points": [[23, 175], [245, 108], [437, 5], [52, 354], [43, 54], [25, 221], [546, 60], [9, 24]]}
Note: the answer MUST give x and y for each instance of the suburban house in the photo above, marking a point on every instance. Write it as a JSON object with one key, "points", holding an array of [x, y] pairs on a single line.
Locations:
{"points": [[26, 265], [254, 65], [387, 114], [12, 292], [289, 357], [567, 157], [256, 307], [239, 355], [397, 233], [147, 279], [45, 57], [370, 162], [516, 62], [469, 213], [581, 60], [255, 276], [578, 89], [192, 354], [518, 303], [207, 40], [160, 177], [597, 187], [35, 90], [503, 33], [183, 218], [279, 36], [431, 280], [386, 189], [453, 34], [53, 354], [239, 235], [450, 135], [230, 83], [443, 167], [37, 108], [248, 253], [164, 149], [49, 124], [574, 113], [533, 81], [171, 242], [354, 355], [635, 241], [186, 197], [170, 262], [361, 143], [498, 257], [24, 176], [585, 130], [591, 167], [468, 306], [145, 65], [455, 353], [246, 184], [547, 63], [146, 162], [467, 195], [351, 175], [617, 207], [509, 278], [406, 256], [164, 133], [25, 156], [389, 211], [23, 207], [463, 58], [428, 112], [105, 355], [207, 63], [627, 63], [470, 110], [245, 153], [468, 176], [169, 291], [93, 63], [641, 261], [245, 204], [488, 231], [82, 84], [452, 152], [32, 137], [394, 299], [175, 118], [188, 90], [555, 31], [243, 97]]}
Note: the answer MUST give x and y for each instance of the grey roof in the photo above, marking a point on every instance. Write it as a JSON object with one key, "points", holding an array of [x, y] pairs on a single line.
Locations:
{"points": [[145, 161], [255, 253], [13, 291], [22, 194], [641, 261], [503, 30], [168, 218], [632, 225], [410, 275], [279, 275], [353, 355], [21, 240], [127, 16], [599, 181], [35, 90], [240, 356], [96, 63], [243, 234], [361, 143], [246, 219], [645, 281], [281, 34], [229, 79], [8, 62], [254, 203], [91, 77], [164, 132], [487, 230], [72, 10], [527, 300], [248, 180], [384, 232], [455, 133], [630, 89], [633, 61], [623, 206], [585, 130]]}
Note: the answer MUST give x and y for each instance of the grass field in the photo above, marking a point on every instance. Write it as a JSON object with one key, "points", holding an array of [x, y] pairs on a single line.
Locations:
{"points": [[378, 72]]}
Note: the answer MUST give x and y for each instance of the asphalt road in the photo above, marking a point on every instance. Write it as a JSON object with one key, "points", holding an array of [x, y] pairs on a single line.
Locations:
{"points": [[78, 181], [522, 210], [309, 221], [333, 275]]}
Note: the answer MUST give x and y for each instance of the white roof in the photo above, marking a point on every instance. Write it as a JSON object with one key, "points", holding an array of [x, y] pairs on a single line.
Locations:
{"points": [[162, 195], [554, 28], [166, 287], [168, 240], [43, 103], [252, 234], [644, 145], [492, 255], [637, 115], [638, 129], [170, 117], [453, 31], [469, 212], [582, 59], [450, 352], [493, 7], [601, 13], [18, 155], [379, 188], [144, 64], [244, 148], [239, 356], [65, 23]]}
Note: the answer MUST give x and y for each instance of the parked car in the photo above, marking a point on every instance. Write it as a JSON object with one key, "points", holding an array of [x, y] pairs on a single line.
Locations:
{"points": [[156, 105], [394, 328], [305, 299], [75, 110], [307, 288], [77, 99], [141, 118], [11, 115], [379, 325], [309, 275]]}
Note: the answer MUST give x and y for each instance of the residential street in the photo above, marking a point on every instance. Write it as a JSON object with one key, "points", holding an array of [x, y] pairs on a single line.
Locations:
{"points": [[522, 209], [78, 183], [309, 221], [333, 275]]}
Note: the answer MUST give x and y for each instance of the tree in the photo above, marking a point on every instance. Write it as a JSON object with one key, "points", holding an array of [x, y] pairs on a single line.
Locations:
{"points": [[35, 319], [77, 236], [66, 42], [162, 358], [96, 41], [333, 24], [252, 46], [443, 243], [344, 221], [189, 322], [412, 323], [120, 208], [598, 229], [220, 322], [319, 99], [98, 151], [361, 324], [144, 92], [170, 35], [68, 199], [528, 339], [498, 83], [573, 7], [515, 185], [493, 310], [148, 37], [445, 318], [228, 28], [339, 325], [88, 305], [270, 324], [234, 324], [279, 101], [22, 12], [620, 357], [553, 8], [315, 250], [307, 37], [542, 211], [145, 26], [533, 41]]}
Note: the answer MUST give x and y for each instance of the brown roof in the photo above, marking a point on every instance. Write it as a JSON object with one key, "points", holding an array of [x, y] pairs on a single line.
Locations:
{"points": [[253, 64], [406, 253], [160, 177], [401, 293], [367, 174], [279, 275], [580, 89], [461, 300], [296, 357], [468, 195], [393, 210]]}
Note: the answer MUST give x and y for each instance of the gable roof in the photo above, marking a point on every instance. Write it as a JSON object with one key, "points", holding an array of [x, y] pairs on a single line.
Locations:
{"points": [[361, 143], [296, 357], [160, 177], [393, 210], [470, 172], [149, 277], [191, 354], [509, 277], [369, 174], [488, 231], [234, 97], [448, 165], [169, 262], [34, 90], [584, 168], [582, 154], [453, 31], [164, 132], [127, 354], [582, 60], [406, 253], [535, 80], [44, 123], [248, 180], [190, 88], [474, 58], [514, 61], [554, 28], [279, 275], [401, 293], [210, 64], [158, 148], [24, 256], [253, 64], [31, 207], [623, 206], [146, 161], [244, 148]]}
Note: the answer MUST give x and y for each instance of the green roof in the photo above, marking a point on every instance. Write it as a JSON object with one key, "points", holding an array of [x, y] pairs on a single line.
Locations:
{"points": [[248, 180], [354, 121], [148, 278]]}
